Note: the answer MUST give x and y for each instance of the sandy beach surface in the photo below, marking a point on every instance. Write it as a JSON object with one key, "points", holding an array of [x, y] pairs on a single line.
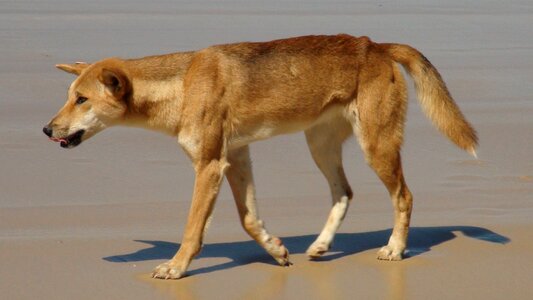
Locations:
{"points": [[92, 222]]}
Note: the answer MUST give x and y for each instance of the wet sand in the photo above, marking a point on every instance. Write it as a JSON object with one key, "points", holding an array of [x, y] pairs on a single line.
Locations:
{"points": [[92, 222]]}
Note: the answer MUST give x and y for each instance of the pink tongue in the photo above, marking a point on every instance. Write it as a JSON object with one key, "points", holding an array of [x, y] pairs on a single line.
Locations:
{"points": [[59, 140]]}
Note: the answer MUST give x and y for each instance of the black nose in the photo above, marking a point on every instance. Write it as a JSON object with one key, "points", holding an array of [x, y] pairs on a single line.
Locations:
{"points": [[47, 130]]}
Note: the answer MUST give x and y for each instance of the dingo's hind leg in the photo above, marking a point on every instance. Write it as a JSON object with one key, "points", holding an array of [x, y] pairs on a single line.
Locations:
{"points": [[378, 118], [325, 143], [387, 165]]}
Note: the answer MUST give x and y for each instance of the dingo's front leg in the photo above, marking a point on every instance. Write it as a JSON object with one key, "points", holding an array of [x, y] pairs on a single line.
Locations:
{"points": [[242, 185], [208, 178]]}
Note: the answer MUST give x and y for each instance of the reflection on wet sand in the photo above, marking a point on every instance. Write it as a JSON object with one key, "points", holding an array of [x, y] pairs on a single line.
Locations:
{"points": [[394, 274], [271, 288], [182, 289], [312, 279]]}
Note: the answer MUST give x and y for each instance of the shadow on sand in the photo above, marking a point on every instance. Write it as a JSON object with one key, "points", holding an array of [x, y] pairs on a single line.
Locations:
{"points": [[421, 240]]}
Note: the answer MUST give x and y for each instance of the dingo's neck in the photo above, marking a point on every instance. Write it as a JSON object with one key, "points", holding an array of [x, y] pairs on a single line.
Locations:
{"points": [[157, 85]]}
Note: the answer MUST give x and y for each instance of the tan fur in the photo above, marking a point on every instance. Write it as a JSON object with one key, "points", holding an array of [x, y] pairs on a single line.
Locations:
{"points": [[218, 100]]}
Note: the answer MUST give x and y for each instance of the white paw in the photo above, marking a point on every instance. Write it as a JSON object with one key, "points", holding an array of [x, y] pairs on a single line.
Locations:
{"points": [[275, 247], [168, 270], [388, 253], [317, 249]]}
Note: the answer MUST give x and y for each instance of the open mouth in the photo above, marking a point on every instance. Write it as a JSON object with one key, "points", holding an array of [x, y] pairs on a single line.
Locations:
{"points": [[70, 141]]}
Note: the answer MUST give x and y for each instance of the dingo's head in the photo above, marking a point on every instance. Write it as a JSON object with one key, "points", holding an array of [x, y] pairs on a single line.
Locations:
{"points": [[96, 99]]}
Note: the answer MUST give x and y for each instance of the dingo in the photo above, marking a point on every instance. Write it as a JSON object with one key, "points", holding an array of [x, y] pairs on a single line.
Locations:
{"points": [[218, 100]]}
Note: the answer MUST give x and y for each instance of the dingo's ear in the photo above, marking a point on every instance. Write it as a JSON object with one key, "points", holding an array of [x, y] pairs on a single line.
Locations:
{"points": [[75, 68], [115, 80]]}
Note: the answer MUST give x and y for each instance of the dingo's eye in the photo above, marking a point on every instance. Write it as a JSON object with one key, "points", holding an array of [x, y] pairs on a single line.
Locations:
{"points": [[80, 100]]}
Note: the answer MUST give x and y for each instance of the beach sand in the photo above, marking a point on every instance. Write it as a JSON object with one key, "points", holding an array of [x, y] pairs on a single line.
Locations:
{"points": [[92, 222]]}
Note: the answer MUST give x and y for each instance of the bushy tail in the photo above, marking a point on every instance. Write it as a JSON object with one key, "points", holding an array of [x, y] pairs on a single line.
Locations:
{"points": [[434, 97]]}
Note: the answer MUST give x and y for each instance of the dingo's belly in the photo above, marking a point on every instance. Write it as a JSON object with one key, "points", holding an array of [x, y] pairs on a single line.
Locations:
{"points": [[245, 134]]}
